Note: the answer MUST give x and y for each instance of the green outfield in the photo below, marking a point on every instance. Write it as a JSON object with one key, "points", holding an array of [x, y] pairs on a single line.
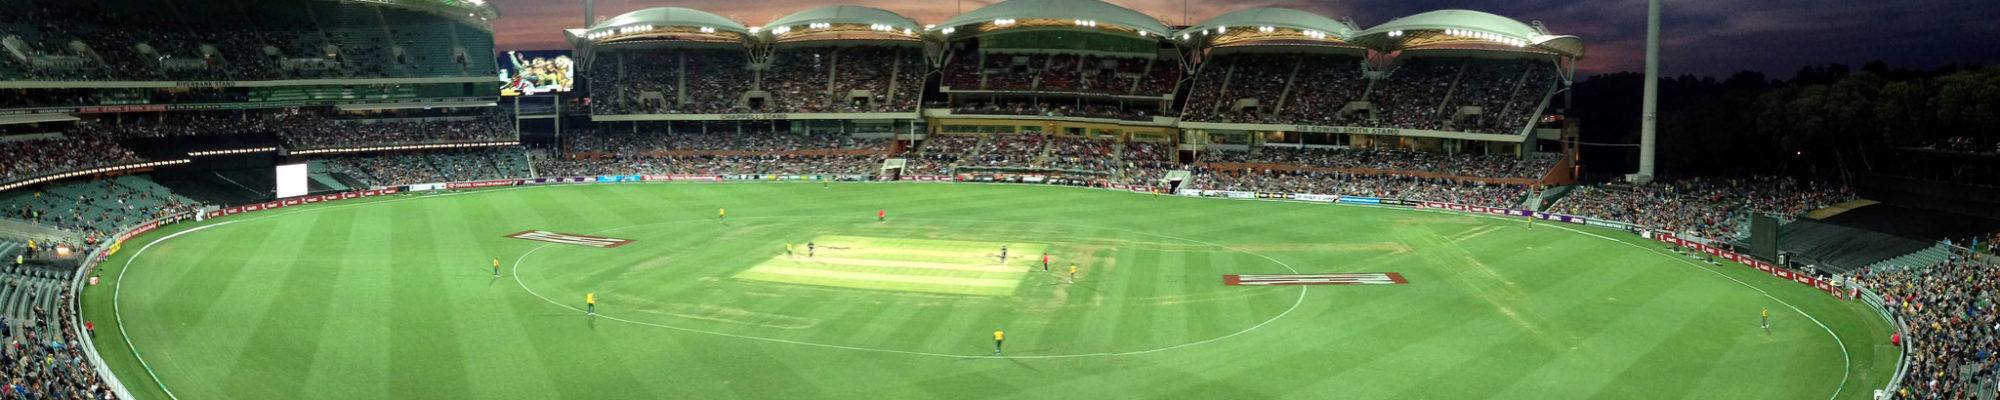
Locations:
{"points": [[395, 298]]}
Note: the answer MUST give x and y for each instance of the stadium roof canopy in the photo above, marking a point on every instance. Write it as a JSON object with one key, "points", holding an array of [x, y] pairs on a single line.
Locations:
{"points": [[842, 22], [1268, 24], [667, 23], [1467, 28], [1084, 14], [475, 12]]}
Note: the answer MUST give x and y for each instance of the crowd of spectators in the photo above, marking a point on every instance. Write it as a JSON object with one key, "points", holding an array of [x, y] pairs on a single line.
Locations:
{"points": [[618, 142], [891, 77], [75, 150], [179, 45], [1469, 165], [96, 210], [404, 168], [1424, 93], [1386, 185], [713, 165], [45, 360], [1084, 153], [1109, 111], [1248, 76], [716, 81], [952, 145], [306, 131], [1707, 208], [1953, 321], [1007, 151]]}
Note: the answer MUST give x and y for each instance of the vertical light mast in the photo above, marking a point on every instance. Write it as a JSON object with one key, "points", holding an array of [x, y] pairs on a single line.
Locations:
{"points": [[1649, 114]]}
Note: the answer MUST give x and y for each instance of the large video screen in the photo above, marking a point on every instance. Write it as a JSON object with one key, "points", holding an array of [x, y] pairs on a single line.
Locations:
{"points": [[536, 72], [292, 180]]}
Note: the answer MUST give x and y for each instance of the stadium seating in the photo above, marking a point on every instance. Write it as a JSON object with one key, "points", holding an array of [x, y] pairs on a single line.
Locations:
{"points": [[176, 40], [406, 168], [95, 209]]}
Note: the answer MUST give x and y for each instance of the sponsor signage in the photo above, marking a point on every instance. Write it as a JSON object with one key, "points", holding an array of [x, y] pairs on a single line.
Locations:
{"points": [[1360, 200], [693, 178], [1315, 279], [754, 117], [570, 239], [481, 184], [296, 202], [1317, 198], [619, 178], [1347, 129]]}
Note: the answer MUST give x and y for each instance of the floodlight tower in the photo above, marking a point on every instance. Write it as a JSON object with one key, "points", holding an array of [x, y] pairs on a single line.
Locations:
{"points": [[589, 13], [1649, 114]]}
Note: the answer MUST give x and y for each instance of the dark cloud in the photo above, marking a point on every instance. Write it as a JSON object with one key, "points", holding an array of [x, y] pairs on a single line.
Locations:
{"points": [[1706, 37]]}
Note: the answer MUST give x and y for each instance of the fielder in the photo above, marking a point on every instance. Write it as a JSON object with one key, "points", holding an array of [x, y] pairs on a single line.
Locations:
{"points": [[1072, 273], [1767, 318], [1045, 262], [590, 304], [788, 249], [998, 337], [496, 267], [719, 212]]}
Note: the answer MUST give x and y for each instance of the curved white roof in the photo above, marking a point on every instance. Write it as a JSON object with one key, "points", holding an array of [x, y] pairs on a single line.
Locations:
{"points": [[1102, 12], [1421, 30], [1279, 18], [672, 16], [847, 15]]}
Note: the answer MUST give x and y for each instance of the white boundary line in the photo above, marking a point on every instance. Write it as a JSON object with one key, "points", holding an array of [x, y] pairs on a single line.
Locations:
{"points": [[118, 287], [118, 284], [1847, 367], [516, 272]]}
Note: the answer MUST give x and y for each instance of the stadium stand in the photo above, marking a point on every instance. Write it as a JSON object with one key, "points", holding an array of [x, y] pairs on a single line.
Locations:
{"points": [[1954, 336], [404, 168], [131, 40]]}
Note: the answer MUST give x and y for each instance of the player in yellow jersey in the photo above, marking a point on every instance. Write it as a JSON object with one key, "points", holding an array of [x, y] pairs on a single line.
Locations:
{"points": [[788, 249], [1072, 273], [1767, 318], [590, 304], [719, 212], [998, 337], [496, 267]]}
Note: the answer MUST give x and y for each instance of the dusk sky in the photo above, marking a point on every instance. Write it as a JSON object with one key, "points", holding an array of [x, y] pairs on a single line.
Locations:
{"points": [[1703, 37]]}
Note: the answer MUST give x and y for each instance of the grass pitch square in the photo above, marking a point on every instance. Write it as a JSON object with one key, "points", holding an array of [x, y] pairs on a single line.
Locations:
{"points": [[905, 265]]}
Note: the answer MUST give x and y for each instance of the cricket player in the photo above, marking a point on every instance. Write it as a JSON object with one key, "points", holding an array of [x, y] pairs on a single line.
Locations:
{"points": [[1767, 318], [822, 183], [1045, 262], [881, 215], [1072, 273], [809, 249], [719, 212], [1003, 254], [998, 337], [496, 267], [788, 249], [590, 303]]}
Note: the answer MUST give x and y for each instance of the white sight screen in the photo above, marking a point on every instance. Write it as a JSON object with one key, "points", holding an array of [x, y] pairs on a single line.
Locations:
{"points": [[291, 180]]}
